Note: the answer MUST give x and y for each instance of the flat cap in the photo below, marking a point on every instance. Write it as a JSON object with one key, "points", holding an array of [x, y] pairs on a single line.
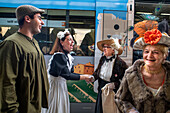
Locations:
{"points": [[24, 10]]}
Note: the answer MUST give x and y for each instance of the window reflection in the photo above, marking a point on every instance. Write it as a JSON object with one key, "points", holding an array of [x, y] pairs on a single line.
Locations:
{"points": [[81, 25]]}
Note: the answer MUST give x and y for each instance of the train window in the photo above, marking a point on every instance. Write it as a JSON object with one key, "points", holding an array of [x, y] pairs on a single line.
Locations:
{"points": [[81, 25], [116, 26], [7, 22]]}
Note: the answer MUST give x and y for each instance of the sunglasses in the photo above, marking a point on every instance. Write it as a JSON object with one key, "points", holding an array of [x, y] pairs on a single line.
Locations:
{"points": [[106, 47]]}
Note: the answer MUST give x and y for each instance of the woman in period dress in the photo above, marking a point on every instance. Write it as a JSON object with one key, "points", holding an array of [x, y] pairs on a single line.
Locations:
{"points": [[145, 87], [110, 69], [60, 70]]}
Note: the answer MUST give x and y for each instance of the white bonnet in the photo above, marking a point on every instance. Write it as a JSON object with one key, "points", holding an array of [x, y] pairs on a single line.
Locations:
{"points": [[61, 34]]}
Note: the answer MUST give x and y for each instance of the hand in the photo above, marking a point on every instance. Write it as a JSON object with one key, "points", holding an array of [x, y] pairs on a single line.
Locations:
{"points": [[132, 111], [87, 78], [168, 111], [111, 86]]}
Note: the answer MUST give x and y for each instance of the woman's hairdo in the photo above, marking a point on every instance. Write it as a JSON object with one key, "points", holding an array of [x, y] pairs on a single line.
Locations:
{"points": [[61, 34]]}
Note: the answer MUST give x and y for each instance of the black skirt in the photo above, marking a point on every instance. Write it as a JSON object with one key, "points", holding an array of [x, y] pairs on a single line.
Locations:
{"points": [[98, 107]]}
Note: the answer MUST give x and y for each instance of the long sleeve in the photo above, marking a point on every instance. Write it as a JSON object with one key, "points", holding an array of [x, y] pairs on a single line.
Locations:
{"points": [[123, 97], [9, 58], [118, 72], [58, 67], [23, 76], [120, 67]]}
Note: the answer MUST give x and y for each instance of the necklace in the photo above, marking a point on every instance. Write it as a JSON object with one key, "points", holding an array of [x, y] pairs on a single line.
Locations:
{"points": [[152, 72]]}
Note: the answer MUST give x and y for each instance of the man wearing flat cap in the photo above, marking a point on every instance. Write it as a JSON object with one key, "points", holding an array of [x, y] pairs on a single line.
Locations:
{"points": [[23, 77]]}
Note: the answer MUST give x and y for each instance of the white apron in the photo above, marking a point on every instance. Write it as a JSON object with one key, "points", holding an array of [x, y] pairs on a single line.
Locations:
{"points": [[58, 96]]}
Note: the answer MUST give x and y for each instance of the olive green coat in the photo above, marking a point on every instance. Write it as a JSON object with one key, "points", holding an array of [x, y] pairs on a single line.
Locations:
{"points": [[23, 75]]}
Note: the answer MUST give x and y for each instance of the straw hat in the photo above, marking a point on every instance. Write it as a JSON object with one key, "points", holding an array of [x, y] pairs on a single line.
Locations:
{"points": [[114, 43]]}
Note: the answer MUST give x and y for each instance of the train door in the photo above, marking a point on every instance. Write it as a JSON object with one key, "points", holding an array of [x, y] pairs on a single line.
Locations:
{"points": [[116, 23]]}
